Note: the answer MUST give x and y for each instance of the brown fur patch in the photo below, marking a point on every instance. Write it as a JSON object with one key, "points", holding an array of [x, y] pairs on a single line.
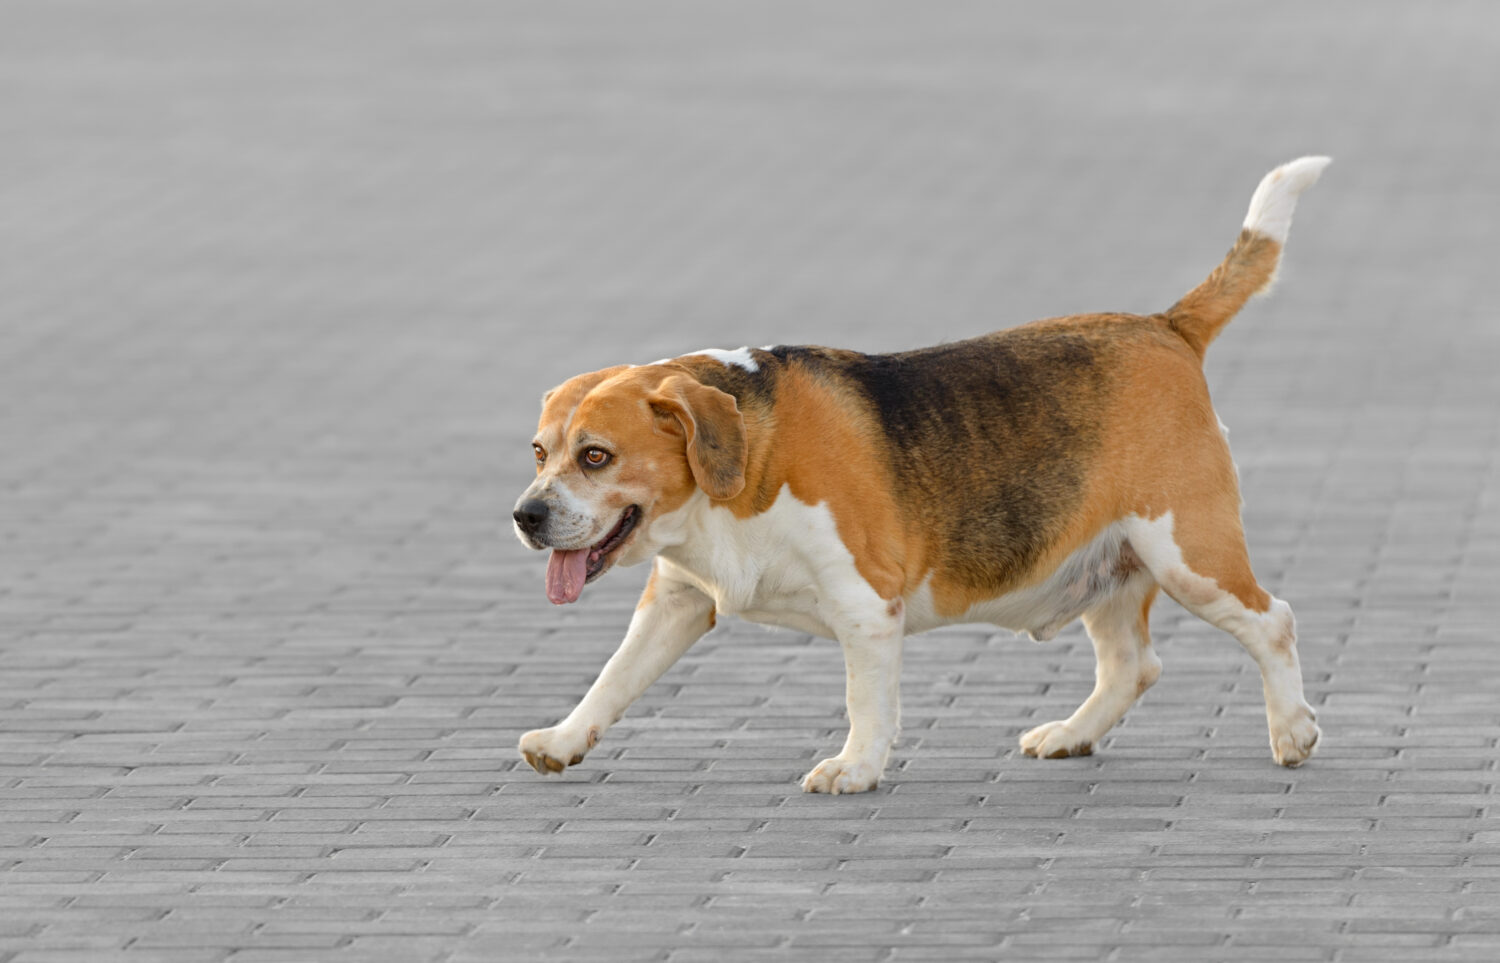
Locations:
{"points": [[1164, 452], [824, 448]]}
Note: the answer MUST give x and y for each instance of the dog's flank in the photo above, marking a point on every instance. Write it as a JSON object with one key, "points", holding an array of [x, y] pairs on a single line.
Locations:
{"points": [[1067, 468]]}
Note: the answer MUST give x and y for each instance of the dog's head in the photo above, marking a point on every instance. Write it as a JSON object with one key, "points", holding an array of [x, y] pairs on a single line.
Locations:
{"points": [[618, 450]]}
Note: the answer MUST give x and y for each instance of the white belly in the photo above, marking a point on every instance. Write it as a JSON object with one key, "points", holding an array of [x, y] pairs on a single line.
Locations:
{"points": [[1083, 580]]}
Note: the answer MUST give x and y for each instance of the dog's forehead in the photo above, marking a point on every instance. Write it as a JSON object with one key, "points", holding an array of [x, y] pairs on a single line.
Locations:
{"points": [[595, 393], [559, 404]]}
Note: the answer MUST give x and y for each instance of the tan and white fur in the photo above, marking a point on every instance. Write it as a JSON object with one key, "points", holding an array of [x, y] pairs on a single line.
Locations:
{"points": [[1069, 468]]}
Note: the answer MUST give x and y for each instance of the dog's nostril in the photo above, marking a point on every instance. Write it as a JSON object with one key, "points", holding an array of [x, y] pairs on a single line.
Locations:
{"points": [[531, 515]]}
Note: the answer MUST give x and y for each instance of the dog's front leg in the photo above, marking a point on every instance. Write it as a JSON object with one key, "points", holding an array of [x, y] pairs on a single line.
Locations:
{"points": [[872, 666], [669, 618]]}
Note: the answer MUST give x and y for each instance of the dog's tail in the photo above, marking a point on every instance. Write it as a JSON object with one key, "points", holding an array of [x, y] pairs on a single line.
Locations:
{"points": [[1250, 266]]}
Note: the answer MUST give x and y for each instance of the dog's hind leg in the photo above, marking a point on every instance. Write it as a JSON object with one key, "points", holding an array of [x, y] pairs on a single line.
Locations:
{"points": [[1126, 668], [1199, 557]]}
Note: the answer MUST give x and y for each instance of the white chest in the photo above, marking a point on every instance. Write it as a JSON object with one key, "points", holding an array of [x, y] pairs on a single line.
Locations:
{"points": [[785, 566]]}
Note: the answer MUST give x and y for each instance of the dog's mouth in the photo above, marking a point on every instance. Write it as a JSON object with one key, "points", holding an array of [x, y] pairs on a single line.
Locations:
{"points": [[568, 570]]}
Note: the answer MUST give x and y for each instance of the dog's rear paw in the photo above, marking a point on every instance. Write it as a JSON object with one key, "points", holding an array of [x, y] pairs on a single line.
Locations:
{"points": [[838, 775], [550, 751], [1294, 740], [1054, 740]]}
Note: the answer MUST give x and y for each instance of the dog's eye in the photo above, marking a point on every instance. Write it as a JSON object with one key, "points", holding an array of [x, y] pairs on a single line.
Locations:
{"points": [[541, 453], [595, 458]]}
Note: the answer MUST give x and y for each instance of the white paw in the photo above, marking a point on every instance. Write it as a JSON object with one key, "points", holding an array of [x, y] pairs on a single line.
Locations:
{"points": [[1054, 740], [552, 750], [838, 775], [1294, 739]]}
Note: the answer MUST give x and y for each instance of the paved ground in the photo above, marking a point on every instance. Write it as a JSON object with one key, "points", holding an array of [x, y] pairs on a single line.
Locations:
{"points": [[280, 284]]}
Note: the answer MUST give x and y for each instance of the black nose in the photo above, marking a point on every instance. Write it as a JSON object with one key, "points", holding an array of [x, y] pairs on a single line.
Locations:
{"points": [[531, 515]]}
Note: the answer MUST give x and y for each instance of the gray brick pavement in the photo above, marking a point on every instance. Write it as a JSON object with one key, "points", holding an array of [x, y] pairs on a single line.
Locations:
{"points": [[280, 283]]}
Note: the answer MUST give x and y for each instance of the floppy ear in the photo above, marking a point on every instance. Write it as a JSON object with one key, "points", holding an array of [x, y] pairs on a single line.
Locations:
{"points": [[714, 431]]}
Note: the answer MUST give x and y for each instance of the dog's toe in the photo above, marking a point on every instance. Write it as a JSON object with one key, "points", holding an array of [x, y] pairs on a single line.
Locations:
{"points": [[1054, 740], [550, 751], [1293, 741], [836, 776]]}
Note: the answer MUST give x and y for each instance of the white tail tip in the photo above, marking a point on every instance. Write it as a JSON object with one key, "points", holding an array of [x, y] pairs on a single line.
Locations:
{"points": [[1274, 200]]}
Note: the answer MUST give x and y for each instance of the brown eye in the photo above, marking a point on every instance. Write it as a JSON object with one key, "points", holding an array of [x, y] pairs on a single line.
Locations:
{"points": [[541, 453], [596, 458]]}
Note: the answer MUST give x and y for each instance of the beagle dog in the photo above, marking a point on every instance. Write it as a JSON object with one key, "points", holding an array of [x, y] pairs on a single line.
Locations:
{"points": [[1068, 468]]}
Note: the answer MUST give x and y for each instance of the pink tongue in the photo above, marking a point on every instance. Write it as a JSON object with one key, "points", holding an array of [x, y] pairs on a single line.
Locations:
{"points": [[566, 572]]}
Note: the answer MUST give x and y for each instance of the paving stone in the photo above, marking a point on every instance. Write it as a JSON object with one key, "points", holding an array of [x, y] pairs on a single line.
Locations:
{"points": [[284, 282]]}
